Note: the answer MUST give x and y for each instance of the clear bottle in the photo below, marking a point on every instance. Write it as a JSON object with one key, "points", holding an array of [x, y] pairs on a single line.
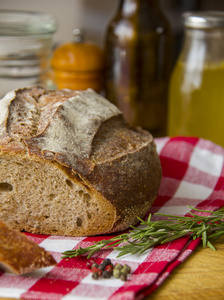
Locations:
{"points": [[196, 97], [26, 46], [138, 63]]}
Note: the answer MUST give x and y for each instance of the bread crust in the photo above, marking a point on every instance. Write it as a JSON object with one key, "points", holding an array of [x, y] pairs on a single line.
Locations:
{"points": [[86, 135], [19, 255]]}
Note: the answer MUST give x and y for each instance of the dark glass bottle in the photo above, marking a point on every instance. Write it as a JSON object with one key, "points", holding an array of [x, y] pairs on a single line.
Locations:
{"points": [[138, 63]]}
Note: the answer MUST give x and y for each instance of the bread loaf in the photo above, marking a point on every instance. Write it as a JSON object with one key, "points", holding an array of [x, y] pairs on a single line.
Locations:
{"points": [[19, 255], [69, 164]]}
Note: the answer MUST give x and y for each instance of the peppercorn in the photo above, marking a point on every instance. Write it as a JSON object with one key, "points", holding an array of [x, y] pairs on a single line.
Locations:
{"points": [[95, 275], [118, 267], [106, 274], [116, 273], [123, 277], [106, 262], [126, 270], [96, 270], [94, 265], [101, 267], [109, 268]]}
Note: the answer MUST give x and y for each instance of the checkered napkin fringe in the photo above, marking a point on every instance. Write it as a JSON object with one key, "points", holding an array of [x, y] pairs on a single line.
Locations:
{"points": [[193, 174]]}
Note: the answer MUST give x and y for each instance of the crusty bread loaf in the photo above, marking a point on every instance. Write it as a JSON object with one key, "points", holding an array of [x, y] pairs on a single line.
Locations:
{"points": [[19, 255], [69, 164]]}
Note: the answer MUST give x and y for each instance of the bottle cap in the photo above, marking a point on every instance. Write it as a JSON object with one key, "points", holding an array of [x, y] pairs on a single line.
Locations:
{"points": [[203, 19]]}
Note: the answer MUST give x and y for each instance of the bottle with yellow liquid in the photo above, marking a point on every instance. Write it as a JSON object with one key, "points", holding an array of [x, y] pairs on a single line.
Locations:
{"points": [[196, 94]]}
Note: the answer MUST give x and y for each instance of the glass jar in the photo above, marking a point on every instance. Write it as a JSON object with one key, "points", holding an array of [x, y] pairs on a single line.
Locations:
{"points": [[26, 45], [196, 97], [138, 63]]}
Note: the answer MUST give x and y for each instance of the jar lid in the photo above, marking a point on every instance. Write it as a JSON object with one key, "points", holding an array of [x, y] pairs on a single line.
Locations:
{"points": [[203, 19], [20, 23]]}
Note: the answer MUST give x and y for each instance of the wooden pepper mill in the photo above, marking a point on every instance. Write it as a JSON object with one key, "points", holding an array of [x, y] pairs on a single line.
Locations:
{"points": [[78, 65]]}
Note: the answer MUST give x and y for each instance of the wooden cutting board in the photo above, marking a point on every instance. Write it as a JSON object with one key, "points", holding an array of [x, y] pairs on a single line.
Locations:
{"points": [[200, 277]]}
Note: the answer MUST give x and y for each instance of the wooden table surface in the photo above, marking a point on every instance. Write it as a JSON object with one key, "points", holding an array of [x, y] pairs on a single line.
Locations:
{"points": [[201, 276]]}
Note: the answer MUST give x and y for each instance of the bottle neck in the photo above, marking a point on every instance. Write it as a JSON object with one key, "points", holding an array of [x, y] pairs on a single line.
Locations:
{"points": [[203, 46], [130, 7]]}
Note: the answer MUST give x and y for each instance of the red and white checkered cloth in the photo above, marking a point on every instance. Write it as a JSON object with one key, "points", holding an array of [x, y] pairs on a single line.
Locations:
{"points": [[193, 174]]}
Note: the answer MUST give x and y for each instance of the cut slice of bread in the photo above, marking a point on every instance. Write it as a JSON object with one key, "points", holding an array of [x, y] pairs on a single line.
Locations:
{"points": [[19, 255]]}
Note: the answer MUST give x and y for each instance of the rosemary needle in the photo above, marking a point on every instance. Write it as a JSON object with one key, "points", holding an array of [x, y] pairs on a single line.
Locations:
{"points": [[152, 233]]}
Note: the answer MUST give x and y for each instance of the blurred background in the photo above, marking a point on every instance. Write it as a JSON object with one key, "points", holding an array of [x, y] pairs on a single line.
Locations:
{"points": [[94, 15], [130, 62]]}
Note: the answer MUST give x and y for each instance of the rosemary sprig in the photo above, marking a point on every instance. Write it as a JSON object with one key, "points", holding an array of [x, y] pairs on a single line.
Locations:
{"points": [[152, 233]]}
